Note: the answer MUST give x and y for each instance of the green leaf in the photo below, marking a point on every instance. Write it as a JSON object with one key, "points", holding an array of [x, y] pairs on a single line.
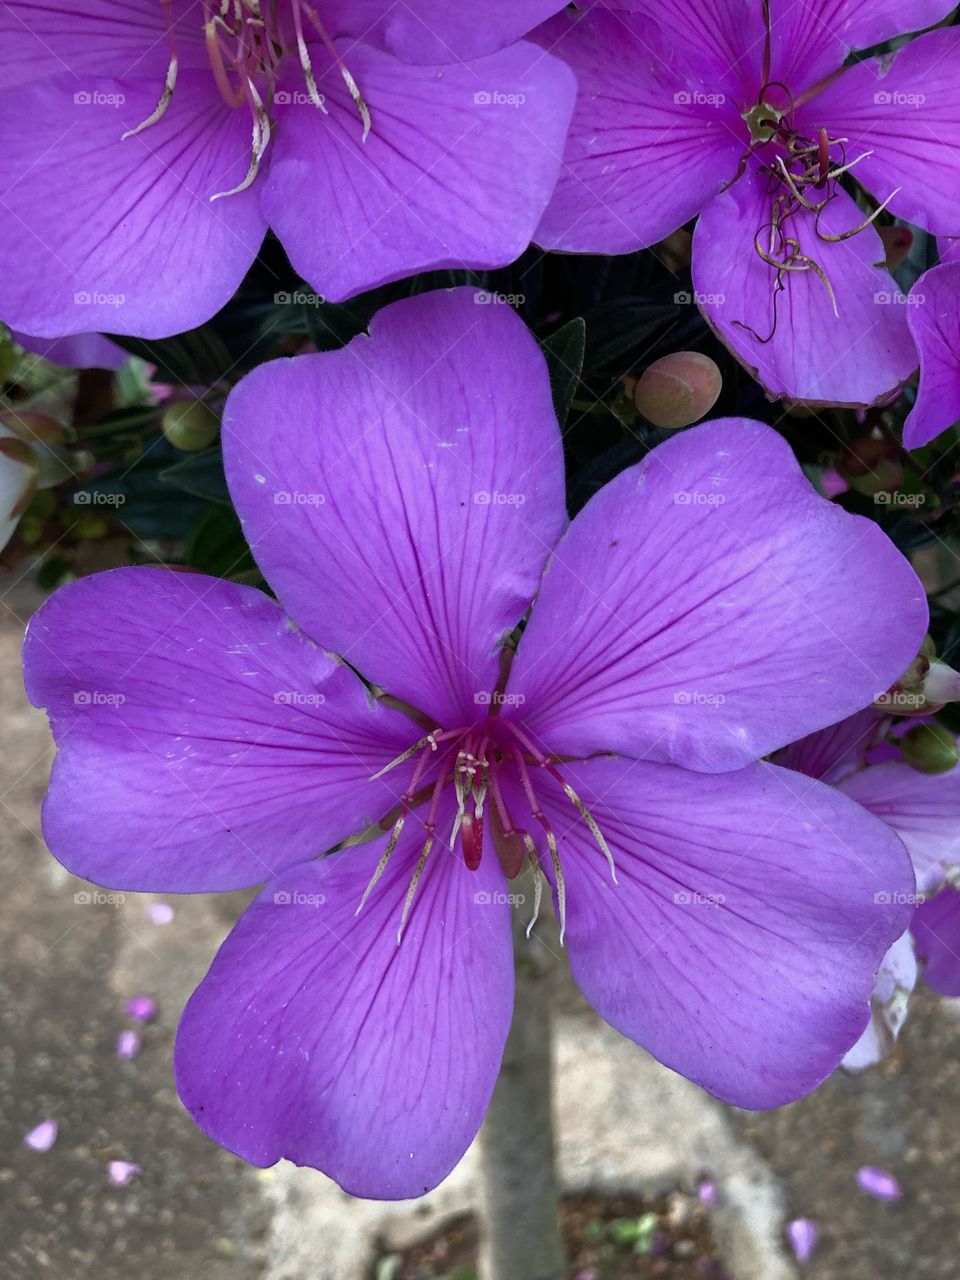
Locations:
{"points": [[199, 474], [618, 327], [219, 547], [564, 351], [198, 357]]}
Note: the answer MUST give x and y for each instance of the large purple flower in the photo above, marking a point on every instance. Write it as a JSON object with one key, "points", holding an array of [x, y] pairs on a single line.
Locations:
{"points": [[739, 111], [404, 498], [861, 757], [934, 317], [146, 145]]}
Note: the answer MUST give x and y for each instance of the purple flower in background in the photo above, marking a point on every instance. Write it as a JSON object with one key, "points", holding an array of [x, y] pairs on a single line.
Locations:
{"points": [[934, 319], [861, 757], [81, 351], [404, 498], [936, 936], [375, 139], [748, 120]]}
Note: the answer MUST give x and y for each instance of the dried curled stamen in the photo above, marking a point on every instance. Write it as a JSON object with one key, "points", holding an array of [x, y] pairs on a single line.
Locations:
{"points": [[170, 81]]}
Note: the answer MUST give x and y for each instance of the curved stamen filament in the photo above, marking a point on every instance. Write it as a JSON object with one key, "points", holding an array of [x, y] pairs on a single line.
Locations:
{"points": [[170, 81]]}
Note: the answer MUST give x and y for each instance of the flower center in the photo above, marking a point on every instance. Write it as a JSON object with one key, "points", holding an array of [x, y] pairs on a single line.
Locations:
{"points": [[803, 175], [246, 43], [485, 764]]}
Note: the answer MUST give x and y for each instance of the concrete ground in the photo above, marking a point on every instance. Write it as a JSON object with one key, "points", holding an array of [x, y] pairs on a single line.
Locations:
{"points": [[195, 1211]]}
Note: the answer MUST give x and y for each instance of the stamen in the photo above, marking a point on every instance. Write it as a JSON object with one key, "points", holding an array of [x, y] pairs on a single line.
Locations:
{"points": [[305, 64], [855, 231], [261, 140], [411, 892], [170, 82], [429, 740], [348, 80], [595, 831], [382, 864], [538, 879]]}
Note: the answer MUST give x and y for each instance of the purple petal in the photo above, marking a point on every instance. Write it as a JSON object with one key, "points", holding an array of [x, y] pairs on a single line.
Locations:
{"points": [[435, 31], [831, 754], [708, 606], [121, 1172], [936, 933], [316, 1037], [793, 340], [904, 109], [40, 39], [651, 142], [922, 808], [949, 248], [81, 351], [889, 1005], [220, 744], [402, 494], [142, 1007], [803, 1234], [934, 319], [456, 171], [814, 38], [128, 1044], [139, 247], [752, 911], [42, 1137], [878, 1183]]}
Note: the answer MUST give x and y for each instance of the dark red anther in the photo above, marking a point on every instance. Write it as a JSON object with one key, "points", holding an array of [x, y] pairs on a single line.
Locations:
{"points": [[510, 847], [471, 840], [823, 151]]}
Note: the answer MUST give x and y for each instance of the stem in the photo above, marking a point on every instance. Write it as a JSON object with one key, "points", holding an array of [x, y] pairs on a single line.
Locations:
{"points": [[520, 1237]]}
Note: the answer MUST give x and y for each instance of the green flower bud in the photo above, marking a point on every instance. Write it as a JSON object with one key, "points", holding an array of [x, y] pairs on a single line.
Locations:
{"points": [[930, 748], [190, 425]]}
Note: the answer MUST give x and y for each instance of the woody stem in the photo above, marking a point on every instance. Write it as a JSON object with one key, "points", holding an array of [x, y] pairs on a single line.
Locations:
{"points": [[520, 1237]]}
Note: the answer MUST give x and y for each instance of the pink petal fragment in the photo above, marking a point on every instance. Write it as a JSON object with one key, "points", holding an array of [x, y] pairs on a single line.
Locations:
{"points": [[878, 1183], [42, 1137], [128, 1044], [142, 1007], [122, 1171], [803, 1234]]}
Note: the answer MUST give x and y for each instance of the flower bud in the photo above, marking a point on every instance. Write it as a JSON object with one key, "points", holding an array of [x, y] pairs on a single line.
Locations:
{"points": [[190, 425], [930, 748], [678, 389], [925, 687]]}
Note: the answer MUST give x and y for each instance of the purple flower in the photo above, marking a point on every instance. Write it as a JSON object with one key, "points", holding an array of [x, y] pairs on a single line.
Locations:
{"points": [[81, 351], [936, 935], [934, 319], [748, 120], [375, 139], [860, 757], [404, 497]]}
